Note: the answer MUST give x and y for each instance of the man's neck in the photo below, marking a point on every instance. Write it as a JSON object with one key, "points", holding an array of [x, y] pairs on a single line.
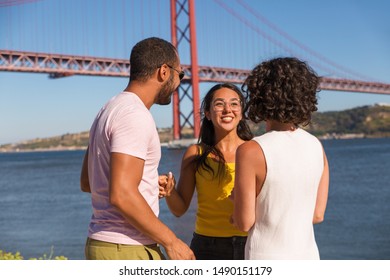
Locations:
{"points": [[144, 91]]}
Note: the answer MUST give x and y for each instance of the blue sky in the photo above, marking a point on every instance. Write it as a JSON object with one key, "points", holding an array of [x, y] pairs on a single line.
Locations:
{"points": [[353, 35]]}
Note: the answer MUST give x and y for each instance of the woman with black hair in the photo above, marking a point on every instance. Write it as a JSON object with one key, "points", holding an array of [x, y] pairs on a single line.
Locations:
{"points": [[209, 168]]}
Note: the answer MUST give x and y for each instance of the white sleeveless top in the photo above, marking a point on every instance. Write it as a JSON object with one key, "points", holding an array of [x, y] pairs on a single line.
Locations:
{"points": [[285, 205]]}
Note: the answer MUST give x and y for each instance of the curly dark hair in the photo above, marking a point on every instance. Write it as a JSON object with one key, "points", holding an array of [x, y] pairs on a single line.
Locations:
{"points": [[281, 89], [207, 133]]}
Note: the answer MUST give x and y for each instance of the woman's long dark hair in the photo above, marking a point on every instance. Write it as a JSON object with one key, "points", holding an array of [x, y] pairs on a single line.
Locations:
{"points": [[207, 133]]}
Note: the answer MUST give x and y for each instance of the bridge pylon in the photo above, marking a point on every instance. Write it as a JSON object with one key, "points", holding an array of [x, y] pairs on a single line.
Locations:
{"points": [[183, 31]]}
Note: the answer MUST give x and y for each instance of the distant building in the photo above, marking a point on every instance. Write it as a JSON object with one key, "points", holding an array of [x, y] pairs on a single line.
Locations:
{"points": [[382, 104]]}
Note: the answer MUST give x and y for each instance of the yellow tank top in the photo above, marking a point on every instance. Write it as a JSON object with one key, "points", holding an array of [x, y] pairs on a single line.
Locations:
{"points": [[214, 205]]}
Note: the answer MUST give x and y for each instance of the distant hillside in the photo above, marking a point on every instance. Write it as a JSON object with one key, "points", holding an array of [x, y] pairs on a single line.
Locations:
{"points": [[359, 122], [366, 121], [74, 141], [64, 142]]}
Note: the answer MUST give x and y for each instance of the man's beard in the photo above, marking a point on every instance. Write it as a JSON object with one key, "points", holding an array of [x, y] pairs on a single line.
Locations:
{"points": [[165, 95]]}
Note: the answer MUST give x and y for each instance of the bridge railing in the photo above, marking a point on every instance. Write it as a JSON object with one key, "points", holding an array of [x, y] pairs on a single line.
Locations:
{"points": [[57, 65]]}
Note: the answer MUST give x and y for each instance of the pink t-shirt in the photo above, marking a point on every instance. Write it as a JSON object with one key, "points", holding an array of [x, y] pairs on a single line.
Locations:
{"points": [[123, 125]]}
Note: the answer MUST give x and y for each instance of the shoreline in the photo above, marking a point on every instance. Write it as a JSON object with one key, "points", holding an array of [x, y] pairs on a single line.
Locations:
{"points": [[52, 149], [167, 144]]}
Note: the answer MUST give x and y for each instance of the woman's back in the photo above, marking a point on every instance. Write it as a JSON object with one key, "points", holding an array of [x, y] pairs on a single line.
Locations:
{"points": [[285, 205]]}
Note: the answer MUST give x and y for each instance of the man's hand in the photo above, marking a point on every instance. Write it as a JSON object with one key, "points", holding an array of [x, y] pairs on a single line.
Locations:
{"points": [[178, 250]]}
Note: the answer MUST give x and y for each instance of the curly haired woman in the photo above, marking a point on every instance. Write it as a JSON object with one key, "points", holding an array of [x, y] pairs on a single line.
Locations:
{"points": [[282, 177]]}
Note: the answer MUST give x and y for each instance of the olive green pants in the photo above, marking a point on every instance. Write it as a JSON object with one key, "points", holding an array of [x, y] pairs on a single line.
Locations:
{"points": [[100, 250]]}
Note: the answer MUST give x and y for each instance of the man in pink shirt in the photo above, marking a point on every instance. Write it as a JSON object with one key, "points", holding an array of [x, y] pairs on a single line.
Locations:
{"points": [[120, 164]]}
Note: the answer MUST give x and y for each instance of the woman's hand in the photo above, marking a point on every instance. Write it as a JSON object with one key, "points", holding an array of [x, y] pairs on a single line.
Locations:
{"points": [[166, 184]]}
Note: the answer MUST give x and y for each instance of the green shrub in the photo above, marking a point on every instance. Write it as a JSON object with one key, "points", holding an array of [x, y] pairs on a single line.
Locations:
{"points": [[17, 256]]}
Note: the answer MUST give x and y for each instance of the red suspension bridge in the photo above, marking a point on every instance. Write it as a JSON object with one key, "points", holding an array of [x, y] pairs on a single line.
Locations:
{"points": [[183, 32]]}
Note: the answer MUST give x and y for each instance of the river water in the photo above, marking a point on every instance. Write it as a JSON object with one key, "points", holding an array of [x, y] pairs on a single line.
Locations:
{"points": [[42, 207]]}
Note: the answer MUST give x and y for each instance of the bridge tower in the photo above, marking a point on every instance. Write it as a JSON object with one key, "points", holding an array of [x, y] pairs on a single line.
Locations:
{"points": [[183, 33]]}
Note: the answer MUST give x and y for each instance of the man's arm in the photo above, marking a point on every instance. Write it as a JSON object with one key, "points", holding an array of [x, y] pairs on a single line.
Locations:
{"points": [[125, 176], [84, 180]]}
